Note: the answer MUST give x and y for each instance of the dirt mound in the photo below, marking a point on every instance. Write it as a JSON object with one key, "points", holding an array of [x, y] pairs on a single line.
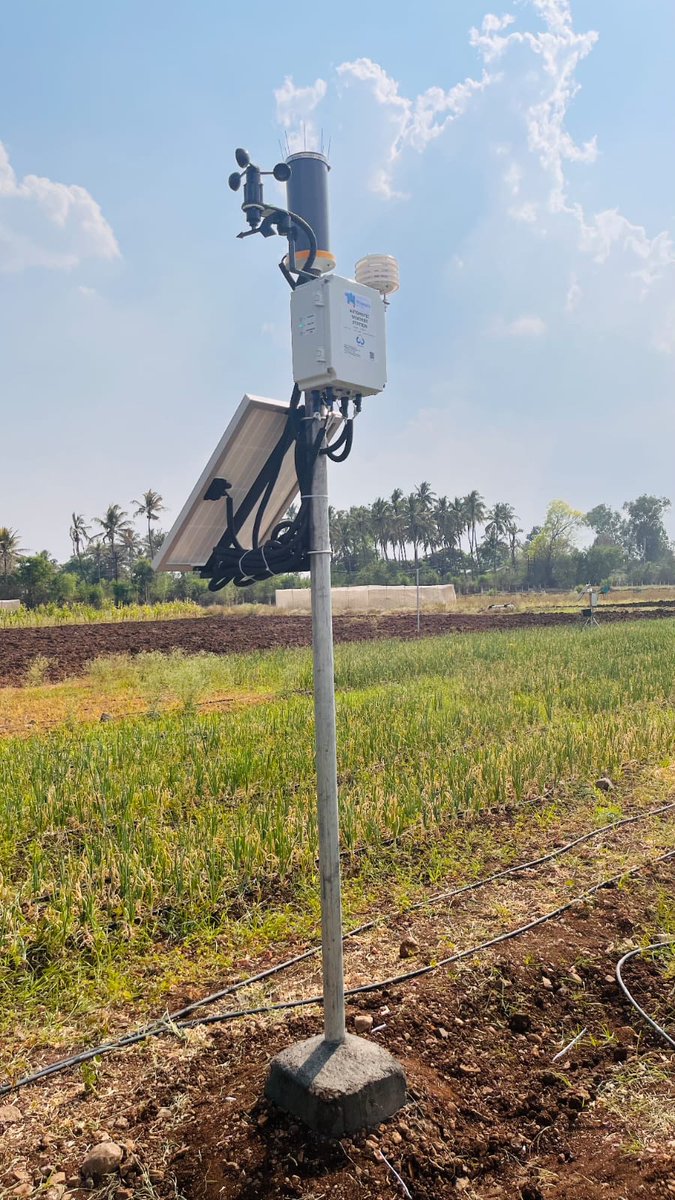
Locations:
{"points": [[70, 647], [490, 1114]]}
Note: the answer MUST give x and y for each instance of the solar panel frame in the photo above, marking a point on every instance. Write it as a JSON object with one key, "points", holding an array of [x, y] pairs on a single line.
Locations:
{"points": [[240, 455]]}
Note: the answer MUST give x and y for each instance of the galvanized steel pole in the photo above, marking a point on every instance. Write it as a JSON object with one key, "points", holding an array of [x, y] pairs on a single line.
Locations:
{"points": [[326, 749]]}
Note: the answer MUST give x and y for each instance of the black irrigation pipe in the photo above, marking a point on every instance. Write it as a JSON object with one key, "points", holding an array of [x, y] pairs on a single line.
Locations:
{"points": [[629, 996], [419, 972], [172, 1023]]}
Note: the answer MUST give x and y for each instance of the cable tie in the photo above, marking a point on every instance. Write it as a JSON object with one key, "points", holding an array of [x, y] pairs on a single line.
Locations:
{"points": [[245, 578], [312, 496], [267, 565], [320, 552]]}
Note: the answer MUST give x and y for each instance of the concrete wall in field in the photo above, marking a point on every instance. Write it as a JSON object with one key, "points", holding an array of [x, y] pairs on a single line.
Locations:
{"points": [[10, 605], [371, 598]]}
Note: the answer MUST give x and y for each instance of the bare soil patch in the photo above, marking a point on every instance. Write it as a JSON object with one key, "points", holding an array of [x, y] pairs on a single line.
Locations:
{"points": [[490, 1115], [70, 647]]}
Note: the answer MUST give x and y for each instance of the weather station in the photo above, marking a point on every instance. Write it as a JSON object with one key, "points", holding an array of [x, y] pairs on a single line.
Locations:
{"points": [[235, 528]]}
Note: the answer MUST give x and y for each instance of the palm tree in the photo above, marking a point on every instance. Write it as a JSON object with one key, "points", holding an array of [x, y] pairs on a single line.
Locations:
{"points": [[362, 529], [446, 523], [501, 525], [418, 524], [95, 548], [425, 495], [149, 507], [397, 523], [9, 550], [113, 524], [475, 515], [459, 512], [79, 536], [495, 528], [380, 517], [340, 537], [513, 530], [131, 545]]}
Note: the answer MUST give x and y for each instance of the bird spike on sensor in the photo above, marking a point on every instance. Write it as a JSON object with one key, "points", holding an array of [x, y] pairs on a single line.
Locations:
{"points": [[305, 220]]}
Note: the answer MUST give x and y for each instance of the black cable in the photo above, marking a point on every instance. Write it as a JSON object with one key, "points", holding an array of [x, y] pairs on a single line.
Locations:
{"points": [[339, 450], [419, 972], [173, 1021], [307, 269], [286, 549], [629, 996]]}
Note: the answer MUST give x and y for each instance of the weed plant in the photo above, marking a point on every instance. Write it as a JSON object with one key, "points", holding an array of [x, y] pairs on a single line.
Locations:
{"points": [[122, 837]]}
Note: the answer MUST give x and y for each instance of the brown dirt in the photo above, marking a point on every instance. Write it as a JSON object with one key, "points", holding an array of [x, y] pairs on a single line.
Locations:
{"points": [[489, 1115], [70, 647]]}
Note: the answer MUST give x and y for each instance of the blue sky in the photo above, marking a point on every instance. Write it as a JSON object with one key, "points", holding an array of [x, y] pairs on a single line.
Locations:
{"points": [[517, 160]]}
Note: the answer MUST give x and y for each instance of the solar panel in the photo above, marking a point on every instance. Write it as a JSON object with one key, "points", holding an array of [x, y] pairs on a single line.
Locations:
{"points": [[238, 458]]}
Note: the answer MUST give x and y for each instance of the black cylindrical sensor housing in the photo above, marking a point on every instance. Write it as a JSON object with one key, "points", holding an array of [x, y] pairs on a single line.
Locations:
{"points": [[307, 195]]}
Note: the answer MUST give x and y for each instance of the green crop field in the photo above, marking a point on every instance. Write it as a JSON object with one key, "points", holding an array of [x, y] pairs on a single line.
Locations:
{"points": [[139, 852]]}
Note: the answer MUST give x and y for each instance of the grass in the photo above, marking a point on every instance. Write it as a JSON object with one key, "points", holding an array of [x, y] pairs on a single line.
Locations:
{"points": [[133, 851], [121, 685], [85, 614], [642, 1096]]}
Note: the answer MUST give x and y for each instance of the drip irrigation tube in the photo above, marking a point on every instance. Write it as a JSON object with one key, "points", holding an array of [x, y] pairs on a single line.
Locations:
{"points": [[171, 1024], [396, 980], [631, 998]]}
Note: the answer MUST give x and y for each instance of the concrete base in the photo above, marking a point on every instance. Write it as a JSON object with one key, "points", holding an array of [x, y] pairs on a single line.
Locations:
{"points": [[336, 1089]]}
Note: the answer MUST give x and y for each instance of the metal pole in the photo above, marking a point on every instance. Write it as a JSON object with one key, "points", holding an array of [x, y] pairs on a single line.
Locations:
{"points": [[326, 750], [417, 585]]}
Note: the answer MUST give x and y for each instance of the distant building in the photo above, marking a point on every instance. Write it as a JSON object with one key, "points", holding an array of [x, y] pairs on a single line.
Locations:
{"points": [[372, 598]]}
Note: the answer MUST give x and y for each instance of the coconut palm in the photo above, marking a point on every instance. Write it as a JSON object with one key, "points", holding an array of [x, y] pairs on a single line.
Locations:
{"points": [[475, 515], [362, 529], [425, 495], [10, 551], [512, 531], [131, 546], [445, 521], [113, 525], [398, 522], [419, 525], [149, 507], [459, 512], [381, 522], [79, 536], [495, 530], [340, 536]]}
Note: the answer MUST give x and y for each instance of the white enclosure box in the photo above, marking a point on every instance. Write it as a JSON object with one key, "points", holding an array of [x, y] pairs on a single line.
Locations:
{"points": [[338, 337]]}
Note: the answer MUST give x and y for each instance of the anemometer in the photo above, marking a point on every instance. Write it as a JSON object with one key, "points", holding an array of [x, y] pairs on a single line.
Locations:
{"points": [[335, 1082]]}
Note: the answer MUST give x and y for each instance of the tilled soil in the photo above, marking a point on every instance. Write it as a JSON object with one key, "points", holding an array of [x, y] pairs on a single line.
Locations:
{"points": [[490, 1115], [70, 647]]}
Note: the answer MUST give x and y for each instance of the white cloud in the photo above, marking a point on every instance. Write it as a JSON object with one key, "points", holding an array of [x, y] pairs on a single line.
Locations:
{"points": [[48, 224], [574, 294], [599, 263], [526, 326], [560, 49], [415, 123], [525, 212], [295, 106]]}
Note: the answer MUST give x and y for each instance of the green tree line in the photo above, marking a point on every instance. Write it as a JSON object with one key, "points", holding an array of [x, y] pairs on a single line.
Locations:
{"points": [[465, 541], [460, 540]]}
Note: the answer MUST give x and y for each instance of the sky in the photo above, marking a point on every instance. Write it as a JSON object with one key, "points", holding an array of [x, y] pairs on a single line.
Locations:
{"points": [[517, 160]]}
